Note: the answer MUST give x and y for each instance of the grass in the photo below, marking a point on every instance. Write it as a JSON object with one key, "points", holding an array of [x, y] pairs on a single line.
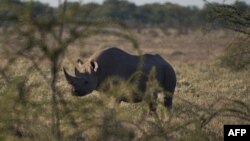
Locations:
{"points": [[207, 96]]}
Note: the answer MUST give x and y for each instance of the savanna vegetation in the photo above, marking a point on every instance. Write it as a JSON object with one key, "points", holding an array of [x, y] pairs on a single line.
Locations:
{"points": [[165, 16], [208, 47]]}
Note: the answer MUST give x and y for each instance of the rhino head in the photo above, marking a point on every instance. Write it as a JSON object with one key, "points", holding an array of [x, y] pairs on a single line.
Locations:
{"points": [[84, 82]]}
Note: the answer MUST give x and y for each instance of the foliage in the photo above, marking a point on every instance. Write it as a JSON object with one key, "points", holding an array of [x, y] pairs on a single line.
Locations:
{"points": [[235, 18], [35, 100], [166, 16], [237, 55], [44, 34]]}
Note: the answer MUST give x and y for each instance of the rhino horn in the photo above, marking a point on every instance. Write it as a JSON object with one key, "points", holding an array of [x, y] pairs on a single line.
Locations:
{"points": [[77, 72], [69, 78]]}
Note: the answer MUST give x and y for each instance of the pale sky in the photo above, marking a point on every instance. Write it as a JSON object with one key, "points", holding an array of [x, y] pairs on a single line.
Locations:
{"points": [[198, 3]]}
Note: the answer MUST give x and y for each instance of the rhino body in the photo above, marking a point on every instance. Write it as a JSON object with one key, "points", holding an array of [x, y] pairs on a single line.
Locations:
{"points": [[114, 62]]}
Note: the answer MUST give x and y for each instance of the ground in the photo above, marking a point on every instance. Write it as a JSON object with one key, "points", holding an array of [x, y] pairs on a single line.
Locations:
{"points": [[207, 96]]}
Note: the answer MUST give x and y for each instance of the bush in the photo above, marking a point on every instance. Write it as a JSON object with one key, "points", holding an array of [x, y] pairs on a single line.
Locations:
{"points": [[237, 55]]}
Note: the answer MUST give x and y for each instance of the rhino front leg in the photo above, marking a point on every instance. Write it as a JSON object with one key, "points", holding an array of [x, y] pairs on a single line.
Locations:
{"points": [[120, 99], [153, 104]]}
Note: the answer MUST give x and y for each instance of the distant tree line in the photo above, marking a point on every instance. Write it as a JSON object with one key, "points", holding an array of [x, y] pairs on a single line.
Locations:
{"points": [[165, 16]]}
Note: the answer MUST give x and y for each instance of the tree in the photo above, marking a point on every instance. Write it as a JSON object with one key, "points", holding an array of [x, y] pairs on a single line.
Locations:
{"points": [[42, 33], [236, 18]]}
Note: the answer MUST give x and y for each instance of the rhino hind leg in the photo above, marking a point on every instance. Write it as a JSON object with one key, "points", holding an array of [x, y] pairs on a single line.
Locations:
{"points": [[168, 100]]}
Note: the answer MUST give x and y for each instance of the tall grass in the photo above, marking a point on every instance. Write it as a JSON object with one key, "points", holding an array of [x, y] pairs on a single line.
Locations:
{"points": [[36, 105]]}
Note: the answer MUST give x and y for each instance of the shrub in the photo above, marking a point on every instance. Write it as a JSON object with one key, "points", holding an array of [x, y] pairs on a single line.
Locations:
{"points": [[237, 55]]}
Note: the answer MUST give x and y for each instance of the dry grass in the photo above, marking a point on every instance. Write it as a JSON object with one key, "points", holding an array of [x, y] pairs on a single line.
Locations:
{"points": [[204, 90]]}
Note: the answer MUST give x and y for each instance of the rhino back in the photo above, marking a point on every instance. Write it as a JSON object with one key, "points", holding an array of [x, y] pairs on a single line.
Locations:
{"points": [[115, 62]]}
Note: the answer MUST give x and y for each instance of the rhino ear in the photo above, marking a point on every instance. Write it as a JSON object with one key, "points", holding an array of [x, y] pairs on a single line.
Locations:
{"points": [[79, 62], [69, 78], [94, 65], [77, 72]]}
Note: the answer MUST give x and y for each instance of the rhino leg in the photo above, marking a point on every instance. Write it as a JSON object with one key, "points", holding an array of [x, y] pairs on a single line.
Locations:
{"points": [[153, 104], [136, 98], [121, 98], [168, 98]]}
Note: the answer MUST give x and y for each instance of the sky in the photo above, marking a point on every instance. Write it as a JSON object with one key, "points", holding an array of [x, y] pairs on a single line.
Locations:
{"points": [[198, 3]]}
